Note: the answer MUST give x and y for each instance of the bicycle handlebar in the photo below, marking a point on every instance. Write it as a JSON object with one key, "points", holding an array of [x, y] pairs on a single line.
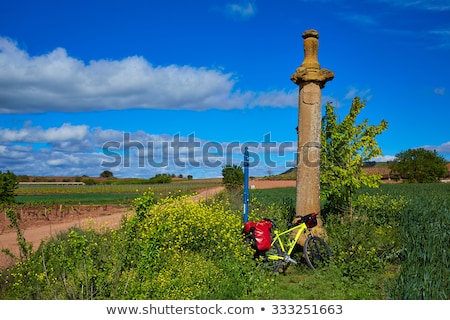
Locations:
{"points": [[271, 221], [291, 225], [305, 219]]}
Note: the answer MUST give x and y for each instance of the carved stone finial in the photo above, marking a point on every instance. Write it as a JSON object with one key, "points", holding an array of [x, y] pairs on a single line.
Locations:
{"points": [[310, 69], [311, 49]]}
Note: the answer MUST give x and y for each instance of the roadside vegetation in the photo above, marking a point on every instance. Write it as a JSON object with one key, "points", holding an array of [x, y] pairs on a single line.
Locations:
{"points": [[174, 248]]}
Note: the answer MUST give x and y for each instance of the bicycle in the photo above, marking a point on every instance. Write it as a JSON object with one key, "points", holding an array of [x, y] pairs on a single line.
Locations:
{"points": [[315, 250]]}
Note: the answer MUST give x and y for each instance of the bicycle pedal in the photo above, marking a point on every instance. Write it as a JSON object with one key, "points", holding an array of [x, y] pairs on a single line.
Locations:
{"points": [[290, 260]]}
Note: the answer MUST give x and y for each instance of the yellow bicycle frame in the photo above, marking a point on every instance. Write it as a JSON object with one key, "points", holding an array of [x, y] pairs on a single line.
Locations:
{"points": [[277, 238]]}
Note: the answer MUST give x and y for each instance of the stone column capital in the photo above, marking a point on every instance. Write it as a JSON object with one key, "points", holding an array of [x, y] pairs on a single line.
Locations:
{"points": [[320, 76], [309, 70]]}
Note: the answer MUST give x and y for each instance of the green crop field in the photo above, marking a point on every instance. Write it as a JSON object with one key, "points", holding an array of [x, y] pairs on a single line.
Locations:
{"points": [[102, 193], [423, 233]]}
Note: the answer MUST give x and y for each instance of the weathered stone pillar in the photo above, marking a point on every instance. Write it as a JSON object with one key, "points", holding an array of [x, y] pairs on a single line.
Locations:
{"points": [[311, 79]]}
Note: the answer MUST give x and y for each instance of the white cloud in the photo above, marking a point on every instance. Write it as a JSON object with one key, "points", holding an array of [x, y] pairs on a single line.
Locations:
{"points": [[443, 149], [442, 38], [244, 10], [432, 5], [439, 91], [80, 150], [360, 19], [351, 94], [383, 158], [276, 99], [60, 159], [58, 82], [354, 92], [30, 134], [335, 101]]}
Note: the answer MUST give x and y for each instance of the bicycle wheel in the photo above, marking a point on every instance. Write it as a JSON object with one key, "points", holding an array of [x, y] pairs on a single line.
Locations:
{"points": [[274, 258], [316, 252]]}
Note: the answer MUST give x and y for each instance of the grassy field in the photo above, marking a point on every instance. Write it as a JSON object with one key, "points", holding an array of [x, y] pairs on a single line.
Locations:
{"points": [[399, 254], [47, 194], [176, 249]]}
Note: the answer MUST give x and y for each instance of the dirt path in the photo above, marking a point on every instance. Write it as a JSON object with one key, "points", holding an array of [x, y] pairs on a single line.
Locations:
{"points": [[100, 217]]}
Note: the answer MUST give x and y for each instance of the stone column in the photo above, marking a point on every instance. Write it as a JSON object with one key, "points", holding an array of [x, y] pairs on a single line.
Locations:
{"points": [[311, 79]]}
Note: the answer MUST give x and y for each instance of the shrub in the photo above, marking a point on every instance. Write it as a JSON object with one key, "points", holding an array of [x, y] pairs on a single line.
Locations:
{"points": [[143, 203], [233, 177], [199, 239], [106, 174], [8, 183], [89, 182], [160, 178]]}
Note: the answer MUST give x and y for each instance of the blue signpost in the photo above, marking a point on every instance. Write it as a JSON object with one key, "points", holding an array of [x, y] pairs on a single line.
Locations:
{"points": [[246, 165]]}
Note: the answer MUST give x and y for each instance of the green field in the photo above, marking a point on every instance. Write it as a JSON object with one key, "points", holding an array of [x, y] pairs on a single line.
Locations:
{"points": [[45, 194], [394, 247], [414, 242]]}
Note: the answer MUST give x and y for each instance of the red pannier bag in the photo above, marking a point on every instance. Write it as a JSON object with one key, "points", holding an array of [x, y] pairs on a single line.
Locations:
{"points": [[260, 233]]}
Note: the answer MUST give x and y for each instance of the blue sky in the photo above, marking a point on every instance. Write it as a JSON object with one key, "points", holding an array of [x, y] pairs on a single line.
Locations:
{"points": [[147, 87]]}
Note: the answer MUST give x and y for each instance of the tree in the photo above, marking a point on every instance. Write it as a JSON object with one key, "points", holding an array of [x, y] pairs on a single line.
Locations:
{"points": [[419, 165], [346, 146], [106, 174], [8, 183], [233, 177], [161, 178]]}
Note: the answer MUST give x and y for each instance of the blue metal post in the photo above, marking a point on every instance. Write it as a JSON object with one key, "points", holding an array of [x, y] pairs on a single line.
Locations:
{"points": [[246, 165]]}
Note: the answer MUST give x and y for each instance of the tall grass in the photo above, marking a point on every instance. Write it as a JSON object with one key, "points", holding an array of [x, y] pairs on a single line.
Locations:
{"points": [[424, 229]]}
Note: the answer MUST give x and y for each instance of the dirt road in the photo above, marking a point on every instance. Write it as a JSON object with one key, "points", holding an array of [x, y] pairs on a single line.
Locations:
{"points": [[99, 217]]}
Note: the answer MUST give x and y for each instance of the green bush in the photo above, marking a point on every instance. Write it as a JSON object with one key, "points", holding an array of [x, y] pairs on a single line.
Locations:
{"points": [[8, 183], [199, 239], [233, 177], [89, 182], [160, 178], [143, 203]]}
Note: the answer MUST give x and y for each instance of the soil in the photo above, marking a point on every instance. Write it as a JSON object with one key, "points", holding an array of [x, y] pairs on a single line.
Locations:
{"points": [[40, 223]]}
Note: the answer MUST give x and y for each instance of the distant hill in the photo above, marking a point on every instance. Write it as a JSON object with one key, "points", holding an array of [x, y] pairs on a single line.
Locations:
{"points": [[370, 167], [381, 168]]}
